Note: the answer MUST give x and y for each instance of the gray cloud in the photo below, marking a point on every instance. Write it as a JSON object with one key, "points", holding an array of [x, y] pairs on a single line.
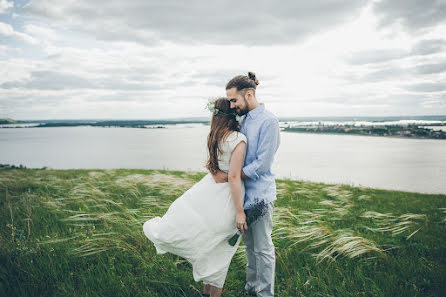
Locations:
{"points": [[384, 74], [431, 68], [178, 73], [122, 96], [220, 78], [375, 56], [405, 99], [414, 15], [28, 100], [423, 48], [428, 87], [430, 46], [198, 21], [213, 77], [394, 72], [54, 80], [49, 80]]}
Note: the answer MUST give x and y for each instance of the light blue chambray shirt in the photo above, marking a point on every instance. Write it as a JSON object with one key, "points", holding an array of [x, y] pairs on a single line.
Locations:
{"points": [[261, 128]]}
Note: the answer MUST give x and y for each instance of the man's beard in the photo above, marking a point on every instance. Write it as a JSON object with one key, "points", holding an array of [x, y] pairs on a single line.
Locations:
{"points": [[243, 111]]}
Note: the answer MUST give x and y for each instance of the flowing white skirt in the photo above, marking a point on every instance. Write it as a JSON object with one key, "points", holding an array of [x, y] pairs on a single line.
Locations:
{"points": [[197, 227]]}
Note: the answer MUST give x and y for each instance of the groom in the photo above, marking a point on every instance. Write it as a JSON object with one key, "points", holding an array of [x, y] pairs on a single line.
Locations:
{"points": [[261, 128]]}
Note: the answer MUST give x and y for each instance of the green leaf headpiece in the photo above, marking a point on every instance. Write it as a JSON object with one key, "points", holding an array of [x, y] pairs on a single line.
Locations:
{"points": [[215, 110]]}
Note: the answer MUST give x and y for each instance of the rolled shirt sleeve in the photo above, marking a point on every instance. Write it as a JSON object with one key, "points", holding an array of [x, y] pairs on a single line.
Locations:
{"points": [[268, 144]]}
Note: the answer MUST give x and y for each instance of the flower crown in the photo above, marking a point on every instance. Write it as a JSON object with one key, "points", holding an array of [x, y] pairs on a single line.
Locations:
{"points": [[215, 110]]}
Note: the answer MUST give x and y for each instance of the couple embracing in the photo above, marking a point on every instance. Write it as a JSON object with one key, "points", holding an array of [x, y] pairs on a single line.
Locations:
{"points": [[236, 196]]}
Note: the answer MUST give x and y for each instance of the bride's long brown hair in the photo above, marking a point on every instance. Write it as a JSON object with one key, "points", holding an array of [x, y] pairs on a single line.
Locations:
{"points": [[222, 124]]}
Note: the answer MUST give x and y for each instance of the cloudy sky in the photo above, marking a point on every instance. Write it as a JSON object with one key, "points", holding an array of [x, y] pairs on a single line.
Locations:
{"points": [[144, 59]]}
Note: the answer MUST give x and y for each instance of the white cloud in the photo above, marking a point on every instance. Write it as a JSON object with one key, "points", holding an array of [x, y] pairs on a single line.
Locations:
{"points": [[41, 33], [5, 6], [8, 31], [122, 64]]}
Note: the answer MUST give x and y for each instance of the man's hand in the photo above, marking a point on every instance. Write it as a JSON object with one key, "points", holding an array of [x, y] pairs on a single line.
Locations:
{"points": [[220, 177]]}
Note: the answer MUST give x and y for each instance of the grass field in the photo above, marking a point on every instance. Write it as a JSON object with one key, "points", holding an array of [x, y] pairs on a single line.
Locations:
{"points": [[79, 233]]}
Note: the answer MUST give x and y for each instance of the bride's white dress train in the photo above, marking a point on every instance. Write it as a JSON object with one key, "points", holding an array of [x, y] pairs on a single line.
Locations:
{"points": [[199, 223]]}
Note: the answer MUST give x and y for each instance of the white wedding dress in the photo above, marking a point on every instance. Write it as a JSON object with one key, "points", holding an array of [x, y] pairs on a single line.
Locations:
{"points": [[199, 223]]}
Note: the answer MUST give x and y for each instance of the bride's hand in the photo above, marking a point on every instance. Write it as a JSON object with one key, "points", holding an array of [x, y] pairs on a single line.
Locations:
{"points": [[220, 177], [240, 221]]}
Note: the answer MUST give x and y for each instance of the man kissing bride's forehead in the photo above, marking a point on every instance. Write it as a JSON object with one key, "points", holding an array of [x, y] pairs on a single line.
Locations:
{"points": [[261, 129], [240, 92], [235, 198]]}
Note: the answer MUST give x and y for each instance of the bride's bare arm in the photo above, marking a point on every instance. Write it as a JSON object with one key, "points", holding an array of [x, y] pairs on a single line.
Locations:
{"points": [[235, 183], [220, 177]]}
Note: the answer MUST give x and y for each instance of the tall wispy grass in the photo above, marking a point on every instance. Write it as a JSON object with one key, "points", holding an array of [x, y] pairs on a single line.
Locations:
{"points": [[387, 222], [444, 213], [101, 221], [346, 244], [319, 229], [55, 220], [312, 233]]}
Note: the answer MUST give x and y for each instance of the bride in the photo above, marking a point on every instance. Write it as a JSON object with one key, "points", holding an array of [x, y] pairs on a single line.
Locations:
{"points": [[198, 225]]}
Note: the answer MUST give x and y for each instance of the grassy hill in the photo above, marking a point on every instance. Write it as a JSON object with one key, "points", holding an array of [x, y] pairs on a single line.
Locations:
{"points": [[79, 233], [7, 121]]}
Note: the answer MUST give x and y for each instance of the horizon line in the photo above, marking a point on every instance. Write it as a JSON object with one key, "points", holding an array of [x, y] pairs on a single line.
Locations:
{"points": [[204, 117]]}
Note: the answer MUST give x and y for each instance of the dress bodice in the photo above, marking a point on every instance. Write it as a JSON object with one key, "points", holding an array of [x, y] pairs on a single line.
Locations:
{"points": [[227, 147]]}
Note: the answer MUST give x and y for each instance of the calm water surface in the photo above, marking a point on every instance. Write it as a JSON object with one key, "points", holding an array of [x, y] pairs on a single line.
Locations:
{"points": [[417, 165]]}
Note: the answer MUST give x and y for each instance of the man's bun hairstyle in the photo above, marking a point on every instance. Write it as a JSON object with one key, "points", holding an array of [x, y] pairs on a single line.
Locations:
{"points": [[252, 76], [243, 82]]}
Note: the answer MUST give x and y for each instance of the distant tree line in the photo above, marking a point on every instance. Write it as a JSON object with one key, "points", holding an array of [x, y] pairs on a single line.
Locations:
{"points": [[132, 124], [387, 130]]}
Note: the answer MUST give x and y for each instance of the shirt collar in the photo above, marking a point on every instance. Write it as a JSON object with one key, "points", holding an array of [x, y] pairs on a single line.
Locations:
{"points": [[256, 111]]}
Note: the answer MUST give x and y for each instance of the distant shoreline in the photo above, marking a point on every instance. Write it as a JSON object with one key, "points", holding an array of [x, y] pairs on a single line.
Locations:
{"points": [[281, 119], [129, 124], [401, 128], [367, 135], [394, 131]]}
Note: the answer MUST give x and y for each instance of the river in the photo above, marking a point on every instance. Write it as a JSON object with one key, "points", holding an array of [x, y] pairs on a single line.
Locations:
{"points": [[415, 165]]}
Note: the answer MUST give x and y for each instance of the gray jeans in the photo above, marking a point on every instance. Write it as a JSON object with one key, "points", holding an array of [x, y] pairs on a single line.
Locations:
{"points": [[261, 258]]}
